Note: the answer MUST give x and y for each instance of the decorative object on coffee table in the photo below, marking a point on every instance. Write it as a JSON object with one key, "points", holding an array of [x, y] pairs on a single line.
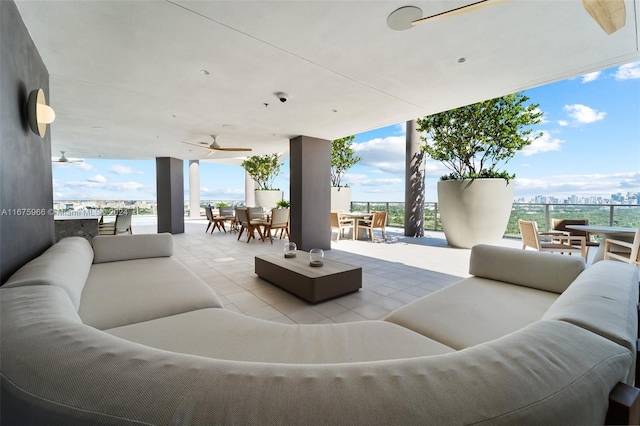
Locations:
{"points": [[316, 257], [290, 249], [313, 285]]}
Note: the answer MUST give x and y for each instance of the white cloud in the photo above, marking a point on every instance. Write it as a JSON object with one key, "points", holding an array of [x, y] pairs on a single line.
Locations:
{"points": [[543, 119], [628, 71], [386, 154], [119, 169], [591, 76], [82, 166], [97, 179], [544, 143], [563, 123], [582, 114], [364, 180]]}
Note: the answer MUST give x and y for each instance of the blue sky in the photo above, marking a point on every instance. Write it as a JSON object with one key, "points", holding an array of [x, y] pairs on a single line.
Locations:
{"points": [[590, 147]]}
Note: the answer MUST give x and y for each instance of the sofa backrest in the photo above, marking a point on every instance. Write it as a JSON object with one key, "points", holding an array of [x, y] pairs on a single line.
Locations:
{"points": [[544, 271], [114, 248], [603, 300], [66, 264]]}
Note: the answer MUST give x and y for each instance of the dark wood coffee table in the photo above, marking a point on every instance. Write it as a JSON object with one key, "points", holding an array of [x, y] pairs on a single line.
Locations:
{"points": [[313, 284]]}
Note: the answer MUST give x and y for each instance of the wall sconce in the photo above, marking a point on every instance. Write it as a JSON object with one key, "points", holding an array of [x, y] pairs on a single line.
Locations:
{"points": [[39, 114]]}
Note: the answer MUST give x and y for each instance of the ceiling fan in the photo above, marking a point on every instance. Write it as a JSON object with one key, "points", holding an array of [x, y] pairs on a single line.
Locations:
{"points": [[609, 14], [214, 146], [64, 159]]}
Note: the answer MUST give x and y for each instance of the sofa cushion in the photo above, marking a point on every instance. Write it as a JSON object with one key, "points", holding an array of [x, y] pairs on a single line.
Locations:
{"points": [[113, 248], [603, 300], [472, 311], [544, 271], [223, 334], [121, 293], [65, 264]]}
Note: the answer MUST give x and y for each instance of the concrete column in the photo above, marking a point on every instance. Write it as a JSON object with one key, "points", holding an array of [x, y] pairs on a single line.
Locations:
{"points": [[249, 190], [310, 192], [194, 188], [170, 190], [414, 184]]}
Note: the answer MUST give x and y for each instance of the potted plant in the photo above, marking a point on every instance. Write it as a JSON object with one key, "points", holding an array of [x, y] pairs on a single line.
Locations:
{"points": [[263, 169], [283, 204], [342, 159], [474, 142]]}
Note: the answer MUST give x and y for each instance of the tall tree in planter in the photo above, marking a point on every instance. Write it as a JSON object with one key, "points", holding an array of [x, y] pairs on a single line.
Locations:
{"points": [[342, 159], [263, 169], [474, 142]]}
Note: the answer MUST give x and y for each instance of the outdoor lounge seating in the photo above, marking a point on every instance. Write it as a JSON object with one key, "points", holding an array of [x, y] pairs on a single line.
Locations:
{"points": [[84, 343], [552, 242]]}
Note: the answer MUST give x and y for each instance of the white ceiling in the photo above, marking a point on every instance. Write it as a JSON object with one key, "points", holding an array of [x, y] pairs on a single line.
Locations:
{"points": [[126, 77]]}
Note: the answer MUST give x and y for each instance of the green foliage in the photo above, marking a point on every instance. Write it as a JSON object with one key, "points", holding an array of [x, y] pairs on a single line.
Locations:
{"points": [[263, 169], [222, 204], [283, 204], [475, 140], [342, 158]]}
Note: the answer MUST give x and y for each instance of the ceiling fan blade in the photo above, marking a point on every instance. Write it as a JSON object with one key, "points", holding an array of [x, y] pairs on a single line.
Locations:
{"points": [[609, 14], [196, 144], [478, 5], [233, 149]]}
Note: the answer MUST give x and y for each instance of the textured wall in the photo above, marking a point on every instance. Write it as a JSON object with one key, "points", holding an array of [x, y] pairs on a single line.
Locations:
{"points": [[310, 192], [170, 188], [25, 158]]}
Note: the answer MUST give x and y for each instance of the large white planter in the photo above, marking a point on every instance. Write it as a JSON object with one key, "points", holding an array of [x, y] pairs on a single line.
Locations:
{"points": [[474, 211], [267, 199], [340, 198]]}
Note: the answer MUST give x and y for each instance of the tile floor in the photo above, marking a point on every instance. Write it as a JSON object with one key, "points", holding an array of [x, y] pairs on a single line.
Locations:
{"points": [[393, 273]]}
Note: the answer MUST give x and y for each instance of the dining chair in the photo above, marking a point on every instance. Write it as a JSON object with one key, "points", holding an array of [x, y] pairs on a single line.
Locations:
{"points": [[623, 251], [228, 214], [552, 242], [121, 225], [256, 213], [279, 221], [378, 220], [209, 214], [561, 225], [249, 225], [341, 223]]}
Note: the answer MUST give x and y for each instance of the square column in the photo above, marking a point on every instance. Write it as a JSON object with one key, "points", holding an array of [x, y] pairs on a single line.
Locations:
{"points": [[170, 190], [310, 192]]}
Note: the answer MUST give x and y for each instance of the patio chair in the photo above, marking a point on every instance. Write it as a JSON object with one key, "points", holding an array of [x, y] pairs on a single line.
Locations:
{"points": [[121, 225], [561, 225], [256, 213], [377, 221], [216, 221], [279, 221], [228, 214], [552, 242], [250, 225], [341, 223], [623, 251]]}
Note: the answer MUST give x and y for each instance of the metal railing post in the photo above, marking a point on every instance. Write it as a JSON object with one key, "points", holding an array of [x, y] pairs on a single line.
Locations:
{"points": [[611, 215]]}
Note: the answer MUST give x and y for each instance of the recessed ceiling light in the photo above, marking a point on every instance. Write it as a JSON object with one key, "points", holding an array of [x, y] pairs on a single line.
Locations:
{"points": [[400, 19], [462, 60], [228, 126], [205, 72], [334, 110]]}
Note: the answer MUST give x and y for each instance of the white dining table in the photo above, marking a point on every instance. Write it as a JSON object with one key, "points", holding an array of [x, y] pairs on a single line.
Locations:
{"points": [[618, 232]]}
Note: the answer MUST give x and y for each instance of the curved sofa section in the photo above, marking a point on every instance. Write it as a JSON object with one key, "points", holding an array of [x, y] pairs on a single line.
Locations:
{"points": [[57, 370]]}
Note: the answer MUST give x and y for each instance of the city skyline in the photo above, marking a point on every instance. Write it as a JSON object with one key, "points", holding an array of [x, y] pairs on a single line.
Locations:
{"points": [[590, 148]]}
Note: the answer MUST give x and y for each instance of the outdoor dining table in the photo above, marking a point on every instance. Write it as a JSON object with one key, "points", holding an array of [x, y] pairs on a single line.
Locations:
{"points": [[617, 232], [356, 216]]}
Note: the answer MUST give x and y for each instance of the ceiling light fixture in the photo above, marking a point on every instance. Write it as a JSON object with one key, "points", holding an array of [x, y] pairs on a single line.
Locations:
{"points": [[462, 60], [39, 114], [205, 72], [402, 19]]}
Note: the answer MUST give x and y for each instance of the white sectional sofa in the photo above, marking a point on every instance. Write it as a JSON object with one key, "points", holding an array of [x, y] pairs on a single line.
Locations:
{"points": [[118, 332]]}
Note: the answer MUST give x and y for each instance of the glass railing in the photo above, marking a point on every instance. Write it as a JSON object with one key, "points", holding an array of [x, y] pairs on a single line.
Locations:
{"points": [[627, 215]]}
